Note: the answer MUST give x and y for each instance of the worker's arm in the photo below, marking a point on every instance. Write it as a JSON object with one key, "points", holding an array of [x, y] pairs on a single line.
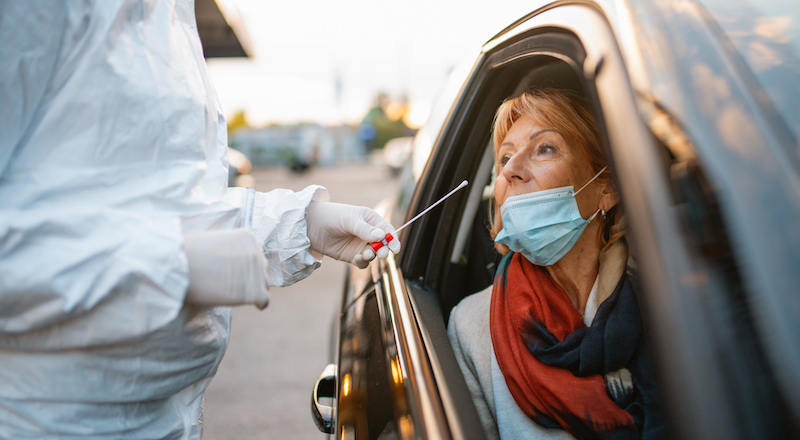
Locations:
{"points": [[226, 268], [87, 276], [291, 225], [73, 271]]}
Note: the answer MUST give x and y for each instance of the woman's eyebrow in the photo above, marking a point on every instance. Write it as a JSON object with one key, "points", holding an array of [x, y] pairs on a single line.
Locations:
{"points": [[543, 131], [534, 135]]}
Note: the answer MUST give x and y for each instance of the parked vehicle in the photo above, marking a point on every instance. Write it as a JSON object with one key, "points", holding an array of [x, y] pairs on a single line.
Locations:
{"points": [[238, 165], [396, 152], [700, 106]]}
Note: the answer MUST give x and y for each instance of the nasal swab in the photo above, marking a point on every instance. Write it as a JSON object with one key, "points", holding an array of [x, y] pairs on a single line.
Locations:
{"points": [[389, 237]]}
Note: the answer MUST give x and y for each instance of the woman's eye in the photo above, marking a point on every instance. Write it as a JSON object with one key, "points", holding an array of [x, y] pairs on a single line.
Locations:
{"points": [[546, 149], [504, 160]]}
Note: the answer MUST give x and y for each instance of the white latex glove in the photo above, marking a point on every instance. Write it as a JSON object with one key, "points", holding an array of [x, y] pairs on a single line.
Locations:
{"points": [[226, 268], [344, 232]]}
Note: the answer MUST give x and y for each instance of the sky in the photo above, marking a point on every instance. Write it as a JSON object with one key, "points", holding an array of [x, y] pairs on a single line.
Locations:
{"points": [[302, 49]]}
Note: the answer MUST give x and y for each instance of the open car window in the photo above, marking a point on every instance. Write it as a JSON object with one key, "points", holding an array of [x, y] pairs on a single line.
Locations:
{"points": [[463, 258]]}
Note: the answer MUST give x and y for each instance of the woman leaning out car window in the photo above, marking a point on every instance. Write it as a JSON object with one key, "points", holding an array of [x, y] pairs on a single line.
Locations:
{"points": [[556, 347]]}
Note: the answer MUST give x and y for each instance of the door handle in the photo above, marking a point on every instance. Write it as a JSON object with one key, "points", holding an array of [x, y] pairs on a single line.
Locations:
{"points": [[324, 416]]}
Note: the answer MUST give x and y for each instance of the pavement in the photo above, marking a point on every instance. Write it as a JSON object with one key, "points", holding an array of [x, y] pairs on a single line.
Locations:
{"points": [[262, 389]]}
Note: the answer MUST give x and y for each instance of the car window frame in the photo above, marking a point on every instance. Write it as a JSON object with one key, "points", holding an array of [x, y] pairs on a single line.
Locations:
{"points": [[452, 136]]}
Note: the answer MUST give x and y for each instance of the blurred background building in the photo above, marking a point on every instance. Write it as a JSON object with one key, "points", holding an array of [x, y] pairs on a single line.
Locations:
{"points": [[335, 81], [299, 145]]}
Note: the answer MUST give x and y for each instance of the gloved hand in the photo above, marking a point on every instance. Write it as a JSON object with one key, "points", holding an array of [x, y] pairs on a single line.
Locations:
{"points": [[344, 232], [226, 268]]}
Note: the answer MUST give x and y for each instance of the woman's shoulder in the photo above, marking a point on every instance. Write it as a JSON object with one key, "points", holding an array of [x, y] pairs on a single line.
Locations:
{"points": [[469, 325], [472, 308]]}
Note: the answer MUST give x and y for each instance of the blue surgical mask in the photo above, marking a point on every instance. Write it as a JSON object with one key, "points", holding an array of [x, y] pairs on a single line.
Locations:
{"points": [[543, 225]]}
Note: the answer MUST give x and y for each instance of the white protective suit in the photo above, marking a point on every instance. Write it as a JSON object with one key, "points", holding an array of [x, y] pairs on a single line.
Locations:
{"points": [[112, 147]]}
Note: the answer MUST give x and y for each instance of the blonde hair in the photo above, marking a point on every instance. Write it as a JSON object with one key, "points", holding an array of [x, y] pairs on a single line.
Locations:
{"points": [[568, 113]]}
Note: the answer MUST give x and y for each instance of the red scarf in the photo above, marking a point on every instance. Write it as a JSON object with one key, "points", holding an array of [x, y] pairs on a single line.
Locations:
{"points": [[525, 295]]}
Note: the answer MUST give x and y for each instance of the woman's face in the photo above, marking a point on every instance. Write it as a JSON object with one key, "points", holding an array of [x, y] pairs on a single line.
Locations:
{"points": [[535, 158]]}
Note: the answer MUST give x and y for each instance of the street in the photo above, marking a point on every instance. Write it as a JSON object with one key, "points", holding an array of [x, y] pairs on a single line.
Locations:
{"points": [[263, 387]]}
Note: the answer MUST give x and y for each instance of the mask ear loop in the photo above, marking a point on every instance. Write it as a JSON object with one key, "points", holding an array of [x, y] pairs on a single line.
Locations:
{"points": [[591, 180], [587, 184], [589, 220]]}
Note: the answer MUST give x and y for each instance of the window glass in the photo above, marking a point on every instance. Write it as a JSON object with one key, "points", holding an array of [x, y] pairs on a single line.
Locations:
{"points": [[427, 135], [766, 33]]}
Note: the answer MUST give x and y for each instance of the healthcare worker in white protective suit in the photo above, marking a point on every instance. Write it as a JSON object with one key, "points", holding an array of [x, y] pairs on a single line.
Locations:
{"points": [[117, 229]]}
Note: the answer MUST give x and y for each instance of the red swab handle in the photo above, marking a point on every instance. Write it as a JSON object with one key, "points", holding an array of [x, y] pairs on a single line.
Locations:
{"points": [[385, 242]]}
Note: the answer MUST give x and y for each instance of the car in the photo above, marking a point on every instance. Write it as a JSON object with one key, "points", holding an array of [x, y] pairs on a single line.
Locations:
{"points": [[699, 104], [396, 152], [238, 165]]}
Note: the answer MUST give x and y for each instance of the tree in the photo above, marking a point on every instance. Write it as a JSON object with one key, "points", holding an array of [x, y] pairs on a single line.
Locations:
{"points": [[380, 126], [237, 122]]}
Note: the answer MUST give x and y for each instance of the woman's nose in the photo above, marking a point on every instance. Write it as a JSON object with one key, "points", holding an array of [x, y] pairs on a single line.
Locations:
{"points": [[516, 170]]}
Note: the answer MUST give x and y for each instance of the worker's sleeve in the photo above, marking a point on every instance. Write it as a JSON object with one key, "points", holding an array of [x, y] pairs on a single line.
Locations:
{"points": [[124, 275], [278, 219]]}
